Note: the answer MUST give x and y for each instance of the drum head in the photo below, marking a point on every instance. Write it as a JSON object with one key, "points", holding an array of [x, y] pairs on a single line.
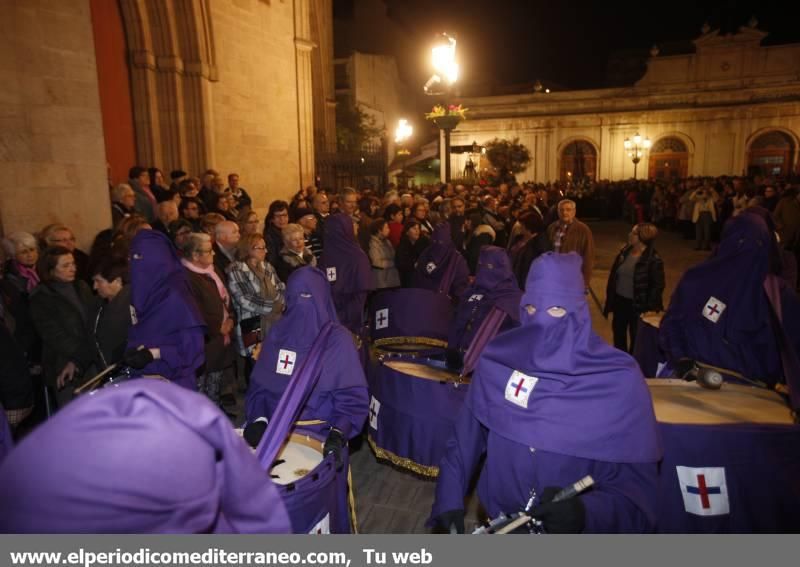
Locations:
{"points": [[677, 401], [300, 456], [421, 370]]}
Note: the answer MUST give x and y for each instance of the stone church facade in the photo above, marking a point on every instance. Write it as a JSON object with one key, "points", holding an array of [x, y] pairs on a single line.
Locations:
{"points": [[92, 85], [732, 107]]}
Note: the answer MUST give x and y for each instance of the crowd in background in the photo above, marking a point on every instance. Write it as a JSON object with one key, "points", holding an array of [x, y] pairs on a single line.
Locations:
{"points": [[56, 332]]}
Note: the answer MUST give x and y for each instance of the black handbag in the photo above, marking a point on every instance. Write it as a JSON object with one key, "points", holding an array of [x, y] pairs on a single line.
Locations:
{"points": [[251, 331]]}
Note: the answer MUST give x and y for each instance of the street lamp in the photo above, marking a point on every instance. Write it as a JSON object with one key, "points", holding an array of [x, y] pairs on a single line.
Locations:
{"points": [[402, 134], [636, 149], [446, 69]]}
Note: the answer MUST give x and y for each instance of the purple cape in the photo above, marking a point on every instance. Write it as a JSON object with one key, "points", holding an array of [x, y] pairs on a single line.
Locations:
{"points": [[6, 441], [582, 397], [340, 396], [495, 285], [729, 287], [348, 270], [143, 457], [440, 267], [166, 315]]}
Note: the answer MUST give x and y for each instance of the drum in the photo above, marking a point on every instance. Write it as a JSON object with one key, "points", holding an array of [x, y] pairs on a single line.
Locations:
{"points": [[410, 312], [314, 493], [413, 407], [731, 459], [645, 350]]}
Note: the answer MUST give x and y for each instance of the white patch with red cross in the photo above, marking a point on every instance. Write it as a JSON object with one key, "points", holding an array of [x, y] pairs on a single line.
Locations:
{"points": [[704, 490], [519, 388], [382, 318], [286, 360], [713, 309], [323, 527]]}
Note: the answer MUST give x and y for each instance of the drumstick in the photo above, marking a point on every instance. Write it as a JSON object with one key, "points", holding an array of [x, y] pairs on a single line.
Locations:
{"points": [[96, 380], [568, 492]]}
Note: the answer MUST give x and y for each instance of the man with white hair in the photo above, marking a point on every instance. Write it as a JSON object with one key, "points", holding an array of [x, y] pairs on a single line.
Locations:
{"points": [[568, 234], [123, 201], [226, 237]]}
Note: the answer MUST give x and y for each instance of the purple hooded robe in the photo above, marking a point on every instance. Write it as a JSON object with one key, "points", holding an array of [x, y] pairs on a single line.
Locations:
{"points": [[495, 286], [440, 267], [143, 457], [551, 402], [348, 270], [6, 440], [340, 396], [164, 314], [720, 314]]}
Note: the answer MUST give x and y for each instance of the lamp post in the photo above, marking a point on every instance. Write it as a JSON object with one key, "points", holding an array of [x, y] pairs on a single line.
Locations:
{"points": [[443, 58], [402, 134], [636, 149]]}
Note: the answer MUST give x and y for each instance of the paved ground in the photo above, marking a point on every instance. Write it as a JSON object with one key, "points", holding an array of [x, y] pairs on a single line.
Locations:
{"points": [[392, 501]]}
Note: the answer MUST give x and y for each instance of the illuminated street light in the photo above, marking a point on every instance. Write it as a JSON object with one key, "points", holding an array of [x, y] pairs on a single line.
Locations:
{"points": [[636, 149]]}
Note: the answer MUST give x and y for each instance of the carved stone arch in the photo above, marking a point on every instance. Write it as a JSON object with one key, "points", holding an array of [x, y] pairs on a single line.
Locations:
{"points": [[577, 159], [171, 61], [670, 156], [772, 151]]}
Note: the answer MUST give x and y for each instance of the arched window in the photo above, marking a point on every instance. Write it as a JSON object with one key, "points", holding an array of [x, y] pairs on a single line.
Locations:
{"points": [[578, 161], [669, 158], [771, 153]]}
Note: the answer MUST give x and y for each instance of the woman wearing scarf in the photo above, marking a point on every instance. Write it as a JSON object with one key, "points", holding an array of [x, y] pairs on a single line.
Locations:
{"points": [[164, 316], [61, 308], [440, 267], [338, 405], [550, 402], [348, 270], [144, 457], [213, 301], [495, 286], [257, 295], [18, 278]]}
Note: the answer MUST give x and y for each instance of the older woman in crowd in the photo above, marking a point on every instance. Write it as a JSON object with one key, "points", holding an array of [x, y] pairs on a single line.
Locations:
{"points": [[112, 318], [381, 256], [16, 387], [212, 298], [61, 308], [294, 253], [61, 235], [257, 294], [635, 284], [123, 200], [21, 267]]}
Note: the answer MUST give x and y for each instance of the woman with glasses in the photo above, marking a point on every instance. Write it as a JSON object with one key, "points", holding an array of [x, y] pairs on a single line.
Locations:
{"points": [[635, 284], [212, 299], [277, 219], [258, 295]]}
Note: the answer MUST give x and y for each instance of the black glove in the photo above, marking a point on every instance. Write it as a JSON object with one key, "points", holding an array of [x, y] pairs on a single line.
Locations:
{"points": [[566, 516], [451, 519], [137, 358], [454, 359], [254, 431], [334, 444]]}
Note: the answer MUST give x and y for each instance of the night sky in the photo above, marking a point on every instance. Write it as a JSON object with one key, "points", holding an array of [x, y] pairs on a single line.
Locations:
{"points": [[506, 42]]}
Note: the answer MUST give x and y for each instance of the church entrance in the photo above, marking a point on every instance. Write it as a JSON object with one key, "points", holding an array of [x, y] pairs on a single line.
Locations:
{"points": [[669, 159], [772, 153], [578, 162]]}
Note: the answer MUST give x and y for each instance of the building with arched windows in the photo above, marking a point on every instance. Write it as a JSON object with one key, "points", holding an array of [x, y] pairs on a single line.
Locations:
{"points": [[731, 107]]}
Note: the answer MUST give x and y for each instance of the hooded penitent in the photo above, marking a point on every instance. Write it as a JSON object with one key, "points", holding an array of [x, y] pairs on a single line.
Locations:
{"points": [[143, 457], [440, 266]]}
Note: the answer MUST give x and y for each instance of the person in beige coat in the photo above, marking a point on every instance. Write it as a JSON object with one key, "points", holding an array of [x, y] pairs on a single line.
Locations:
{"points": [[704, 215], [568, 234], [381, 256]]}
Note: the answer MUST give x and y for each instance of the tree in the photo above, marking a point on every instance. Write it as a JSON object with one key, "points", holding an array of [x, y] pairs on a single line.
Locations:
{"points": [[507, 158], [355, 128]]}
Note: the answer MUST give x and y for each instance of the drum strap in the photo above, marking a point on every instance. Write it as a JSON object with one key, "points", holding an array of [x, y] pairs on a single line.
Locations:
{"points": [[305, 422], [487, 331], [293, 399]]}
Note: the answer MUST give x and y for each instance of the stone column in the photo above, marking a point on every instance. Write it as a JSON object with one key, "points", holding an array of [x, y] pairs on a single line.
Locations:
{"points": [[305, 93]]}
